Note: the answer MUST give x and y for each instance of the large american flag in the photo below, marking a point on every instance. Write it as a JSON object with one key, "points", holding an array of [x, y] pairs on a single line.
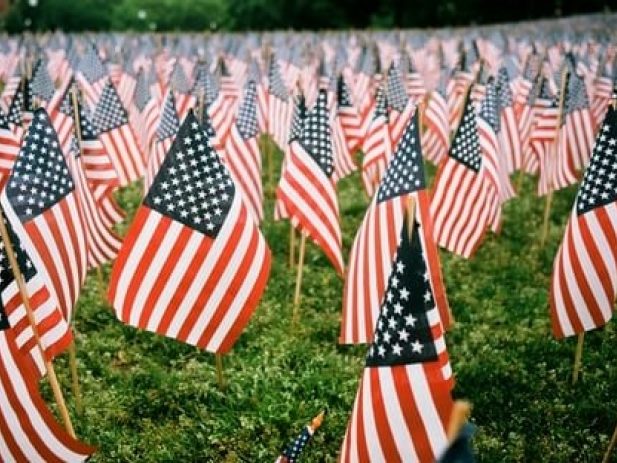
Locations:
{"points": [[242, 154], [43, 207], [375, 243], [28, 429], [584, 281], [111, 121], [307, 187], [194, 229], [463, 197], [403, 404], [52, 329]]}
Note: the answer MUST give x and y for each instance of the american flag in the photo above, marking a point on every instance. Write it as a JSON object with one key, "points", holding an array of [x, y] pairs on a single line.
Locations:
{"points": [[145, 117], [292, 452], [103, 244], [280, 108], [401, 106], [375, 243], [584, 280], [307, 188], [578, 134], [242, 155], [436, 136], [179, 84], [119, 140], [53, 330], [166, 131], [100, 172], [42, 206], [16, 112], [403, 403], [254, 74], [295, 130], [194, 229], [348, 116], [41, 85], [219, 109], [495, 162], [91, 75], [344, 164], [509, 135], [414, 83], [9, 148], [126, 86], [377, 146], [28, 429], [463, 197]]}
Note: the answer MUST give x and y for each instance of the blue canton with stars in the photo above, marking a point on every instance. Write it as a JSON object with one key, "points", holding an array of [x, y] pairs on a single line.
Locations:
{"points": [[381, 103], [403, 334], [40, 176], [466, 144], [297, 120], [275, 80], [342, 93], [169, 123], [316, 137], [193, 186], [142, 91], [397, 96], [109, 113], [405, 172], [599, 186], [488, 110], [293, 451], [247, 113]]}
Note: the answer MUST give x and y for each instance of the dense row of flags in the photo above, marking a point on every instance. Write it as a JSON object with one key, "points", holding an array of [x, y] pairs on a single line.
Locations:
{"points": [[81, 116]]}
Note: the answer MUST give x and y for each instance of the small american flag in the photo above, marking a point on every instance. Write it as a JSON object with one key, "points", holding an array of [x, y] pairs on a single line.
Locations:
{"points": [[375, 243], [194, 229], [41, 84], [43, 208], [584, 281], [307, 188], [112, 123], [403, 403], [9, 148], [377, 146], [509, 135], [166, 131], [280, 107], [463, 198], [91, 75], [242, 154]]}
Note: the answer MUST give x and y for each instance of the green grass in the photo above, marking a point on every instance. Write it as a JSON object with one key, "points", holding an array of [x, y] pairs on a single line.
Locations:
{"points": [[149, 398]]}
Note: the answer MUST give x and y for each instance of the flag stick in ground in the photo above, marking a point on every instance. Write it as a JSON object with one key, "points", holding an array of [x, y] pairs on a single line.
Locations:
{"points": [[549, 196], [611, 446], [72, 349], [292, 245], [220, 377], [51, 374], [296, 309], [578, 357]]}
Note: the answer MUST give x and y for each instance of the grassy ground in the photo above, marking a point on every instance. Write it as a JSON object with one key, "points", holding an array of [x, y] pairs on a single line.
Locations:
{"points": [[149, 398]]}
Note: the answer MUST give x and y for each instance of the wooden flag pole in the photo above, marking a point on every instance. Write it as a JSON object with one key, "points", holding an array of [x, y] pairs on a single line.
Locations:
{"points": [[411, 215], [292, 246], [220, 377], [23, 291], [578, 355], [549, 196], [461, 410], [296, 307], [72, 348], [611, 446]]}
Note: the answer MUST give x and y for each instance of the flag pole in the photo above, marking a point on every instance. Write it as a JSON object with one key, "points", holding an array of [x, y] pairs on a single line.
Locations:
{"points": [[51, 373], [549, 196], [296, 307], [292, 245], [578, 354], [611, 446], [459, 415], [72, 348], [220, 377]]}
